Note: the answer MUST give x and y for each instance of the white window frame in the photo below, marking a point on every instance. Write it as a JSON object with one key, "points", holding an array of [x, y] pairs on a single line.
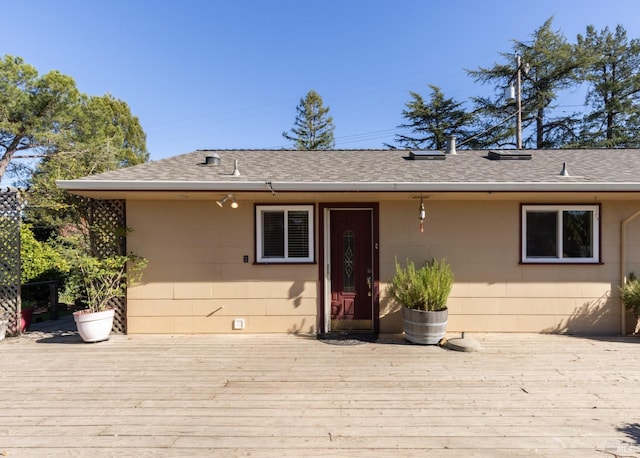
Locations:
{"points": [[559, 259], [260, 209]]}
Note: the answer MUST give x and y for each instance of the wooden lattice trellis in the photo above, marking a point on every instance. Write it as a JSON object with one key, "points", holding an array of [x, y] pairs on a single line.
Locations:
{"points": [[10, 207], [106, 220]]}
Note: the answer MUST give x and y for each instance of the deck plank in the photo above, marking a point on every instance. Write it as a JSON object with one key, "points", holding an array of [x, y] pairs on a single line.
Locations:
{"points": [[276, 395]]}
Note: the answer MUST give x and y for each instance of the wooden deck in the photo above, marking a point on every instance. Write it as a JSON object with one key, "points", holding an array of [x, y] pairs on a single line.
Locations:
{"points": [[273, 396]]}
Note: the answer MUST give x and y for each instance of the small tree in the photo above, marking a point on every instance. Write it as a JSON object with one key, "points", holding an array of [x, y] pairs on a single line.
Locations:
{"points": [[313, 127], [97, 281]]}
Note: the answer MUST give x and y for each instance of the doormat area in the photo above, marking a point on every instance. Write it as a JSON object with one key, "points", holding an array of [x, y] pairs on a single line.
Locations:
{"points": [[347, 338], [355, 338]]}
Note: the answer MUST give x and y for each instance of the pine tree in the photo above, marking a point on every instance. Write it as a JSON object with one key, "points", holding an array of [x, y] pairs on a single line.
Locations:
{"points": [[35, 110], [549, 66], [432, 122], [613, 74], [313, 127]]}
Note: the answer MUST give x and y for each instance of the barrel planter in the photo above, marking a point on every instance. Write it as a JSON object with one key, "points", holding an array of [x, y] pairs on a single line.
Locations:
{"points": [[425, 327]]}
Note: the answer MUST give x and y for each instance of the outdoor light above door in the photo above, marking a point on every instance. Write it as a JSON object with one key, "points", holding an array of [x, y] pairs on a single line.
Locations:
{"points": [[221, 202]]}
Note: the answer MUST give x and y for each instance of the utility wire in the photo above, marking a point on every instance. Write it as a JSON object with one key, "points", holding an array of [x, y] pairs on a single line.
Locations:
{"points": [[487, 130]]}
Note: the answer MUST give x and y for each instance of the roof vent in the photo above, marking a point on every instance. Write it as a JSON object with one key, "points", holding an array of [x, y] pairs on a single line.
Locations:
{"points": [[451, 144], [509, 155], [564, 172], [236, 172], [427, 155], [214, 159]]}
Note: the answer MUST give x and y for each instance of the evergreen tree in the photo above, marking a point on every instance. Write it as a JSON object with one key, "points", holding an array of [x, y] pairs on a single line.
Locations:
{"points": [[430, 123], [35, 110], [612, 72], [105, 136], [548, 67], [73, 134], [313, 127]]}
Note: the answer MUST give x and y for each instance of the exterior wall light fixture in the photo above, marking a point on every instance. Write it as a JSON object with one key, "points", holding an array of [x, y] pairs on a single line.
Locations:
{"points": [[221, 202]]}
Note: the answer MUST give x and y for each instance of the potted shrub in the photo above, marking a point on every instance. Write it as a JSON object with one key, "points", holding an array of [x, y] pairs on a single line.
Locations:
{"points": [[98, 281], [423, 293], [630, 295]]}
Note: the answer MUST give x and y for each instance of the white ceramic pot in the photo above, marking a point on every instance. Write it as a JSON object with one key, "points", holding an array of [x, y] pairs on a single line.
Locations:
{"points": [[94, 327], [3, 328]]}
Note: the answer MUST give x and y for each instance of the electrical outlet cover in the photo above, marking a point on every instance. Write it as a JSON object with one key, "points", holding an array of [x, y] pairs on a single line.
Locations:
{"points": [[238, 323]]}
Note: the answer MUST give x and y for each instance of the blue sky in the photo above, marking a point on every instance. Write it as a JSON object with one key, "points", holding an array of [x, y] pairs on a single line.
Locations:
{"points": [[229, 74]]}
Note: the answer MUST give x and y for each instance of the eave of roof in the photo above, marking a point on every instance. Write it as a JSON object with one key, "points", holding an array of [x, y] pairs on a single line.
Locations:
{"points": [[249, 186], [616, 170]]}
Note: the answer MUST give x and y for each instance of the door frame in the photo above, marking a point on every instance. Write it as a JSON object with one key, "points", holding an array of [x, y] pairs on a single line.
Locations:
{"points": [[324, 303]]}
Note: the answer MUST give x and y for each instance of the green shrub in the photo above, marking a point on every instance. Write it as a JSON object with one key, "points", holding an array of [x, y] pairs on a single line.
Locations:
{"points": [[424, 288], [39, 260], [96, 281], [630, 294]]}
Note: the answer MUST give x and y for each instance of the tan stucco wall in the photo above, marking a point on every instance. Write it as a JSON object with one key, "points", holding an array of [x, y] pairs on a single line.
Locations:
{"points": [[197, 282], [492, 290]]}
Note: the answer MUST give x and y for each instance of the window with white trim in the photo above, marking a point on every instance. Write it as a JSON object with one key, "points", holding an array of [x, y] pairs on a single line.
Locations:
{"points": [[560, 233], [284, 233]]}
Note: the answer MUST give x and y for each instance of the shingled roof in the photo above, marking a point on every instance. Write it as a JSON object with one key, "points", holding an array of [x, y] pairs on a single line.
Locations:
{"points": [[376, 170]]}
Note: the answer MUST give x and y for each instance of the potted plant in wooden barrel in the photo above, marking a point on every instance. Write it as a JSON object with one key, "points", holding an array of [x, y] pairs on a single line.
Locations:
{"points": [[98, 281], [630, 295], [423, 293]]}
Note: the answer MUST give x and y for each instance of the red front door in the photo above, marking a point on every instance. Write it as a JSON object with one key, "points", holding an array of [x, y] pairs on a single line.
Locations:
{"points": [[352, 276]]}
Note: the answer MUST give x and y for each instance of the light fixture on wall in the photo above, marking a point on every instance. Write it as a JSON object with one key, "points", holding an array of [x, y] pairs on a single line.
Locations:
{"points": [[421, 214], [221, 202]]}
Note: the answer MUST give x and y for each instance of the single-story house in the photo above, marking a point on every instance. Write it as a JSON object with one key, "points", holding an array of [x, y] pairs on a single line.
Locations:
{"points": [[264, 241]]}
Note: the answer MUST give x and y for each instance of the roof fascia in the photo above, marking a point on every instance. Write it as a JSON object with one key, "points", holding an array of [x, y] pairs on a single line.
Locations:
{"points": [[237, 186]]}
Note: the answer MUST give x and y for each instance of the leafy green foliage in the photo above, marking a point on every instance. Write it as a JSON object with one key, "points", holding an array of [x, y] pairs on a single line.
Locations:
{"points": [[606, 62], [549, 66], [612, 71], [34, 110], [432, 122], [40, 260], [313, 127], [424, 288], [106, 136], [97, 281], [630, 294], [74, 134]]}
